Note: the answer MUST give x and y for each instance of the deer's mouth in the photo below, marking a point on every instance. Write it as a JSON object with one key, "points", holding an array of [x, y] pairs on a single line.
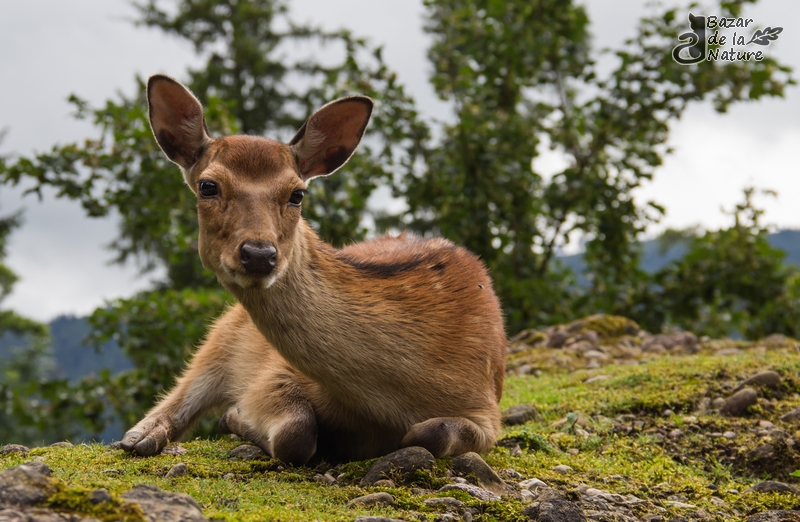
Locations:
{"points": [[231, 276]]}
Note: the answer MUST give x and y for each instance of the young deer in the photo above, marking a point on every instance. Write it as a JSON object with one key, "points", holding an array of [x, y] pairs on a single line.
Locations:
{"points": [[344, 354]]}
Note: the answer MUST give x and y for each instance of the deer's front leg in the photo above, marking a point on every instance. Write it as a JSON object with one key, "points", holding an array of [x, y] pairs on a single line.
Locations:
{"points": [[202, 387], [275, 415], [451, 436]]}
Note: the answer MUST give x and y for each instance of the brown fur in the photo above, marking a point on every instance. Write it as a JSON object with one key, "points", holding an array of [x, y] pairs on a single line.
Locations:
{"points": [[347, 354]]}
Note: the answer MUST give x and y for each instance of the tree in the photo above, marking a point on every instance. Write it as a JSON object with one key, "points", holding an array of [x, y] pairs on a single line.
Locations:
{"points": [[246, 85], [33, 406], [522, 75], [731, 282]]}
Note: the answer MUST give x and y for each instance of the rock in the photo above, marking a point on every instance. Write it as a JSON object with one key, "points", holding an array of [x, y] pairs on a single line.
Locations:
{"points": [[552, 506], [557, 339], [174, 449], [178, 470], [737, 404], [791, 416], [445, 502], [703, 405], [373, 499], [769, 379], [162, 506], [532, 484], [99, 496], [520, 415], [247, 452], [778, 515], [14, 448], [377, 519], [763, 452], [772, 485], [475, 491], [511, 473], [399, 465], [324, 479], [62, 444], [676, 342], [385, 483], [717, 403], [563, 468], [471, 464], [25, 485]]}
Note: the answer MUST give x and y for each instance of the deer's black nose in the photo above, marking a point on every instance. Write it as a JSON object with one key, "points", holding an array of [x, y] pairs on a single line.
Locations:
{"points": [[258, 258]]}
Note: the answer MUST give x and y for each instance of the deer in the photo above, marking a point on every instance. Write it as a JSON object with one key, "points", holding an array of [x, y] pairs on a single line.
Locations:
{"points": [[338, 354]]}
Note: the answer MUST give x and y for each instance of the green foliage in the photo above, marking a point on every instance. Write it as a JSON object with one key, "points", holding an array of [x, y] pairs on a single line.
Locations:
{"points": [[33, 406], [730, 282], [158, 330], [522, 76]]}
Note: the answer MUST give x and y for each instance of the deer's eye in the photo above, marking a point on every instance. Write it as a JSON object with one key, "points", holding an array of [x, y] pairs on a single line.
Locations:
{"points": [[296, 198], [208, 189]]}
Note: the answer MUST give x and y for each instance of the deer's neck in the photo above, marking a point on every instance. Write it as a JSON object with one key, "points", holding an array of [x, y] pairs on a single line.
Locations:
{"points": [[308, 317]]}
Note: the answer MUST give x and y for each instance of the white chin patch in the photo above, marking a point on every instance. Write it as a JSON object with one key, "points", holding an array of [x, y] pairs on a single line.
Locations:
{"points": [[249, 281]]}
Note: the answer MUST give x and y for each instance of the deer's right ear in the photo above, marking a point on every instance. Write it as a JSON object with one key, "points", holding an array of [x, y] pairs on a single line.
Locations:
{"points": [[176, 118]]}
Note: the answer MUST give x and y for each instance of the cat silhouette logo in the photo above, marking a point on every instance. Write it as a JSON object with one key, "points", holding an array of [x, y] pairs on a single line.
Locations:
{"points": [[695, 42]]}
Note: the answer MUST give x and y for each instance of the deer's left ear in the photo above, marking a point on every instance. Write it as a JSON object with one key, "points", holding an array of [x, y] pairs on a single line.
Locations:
{"points": [[330, 136], [176, 118]]}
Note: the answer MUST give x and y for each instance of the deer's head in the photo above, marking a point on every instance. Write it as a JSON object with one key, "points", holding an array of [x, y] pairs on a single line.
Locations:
{"points": [[250, 189]]}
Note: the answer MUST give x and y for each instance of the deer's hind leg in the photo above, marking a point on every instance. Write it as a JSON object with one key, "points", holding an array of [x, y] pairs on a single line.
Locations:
{"points": [[451, 436], [275, 414]]}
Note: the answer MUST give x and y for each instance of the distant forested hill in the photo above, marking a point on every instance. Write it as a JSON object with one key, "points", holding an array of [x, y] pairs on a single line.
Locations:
{"points": [[71, 357], [654, 260]]}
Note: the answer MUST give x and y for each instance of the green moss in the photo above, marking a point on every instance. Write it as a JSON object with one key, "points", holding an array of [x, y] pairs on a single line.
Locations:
{"points": [[78, 500], [606, 326], [624, 446]]}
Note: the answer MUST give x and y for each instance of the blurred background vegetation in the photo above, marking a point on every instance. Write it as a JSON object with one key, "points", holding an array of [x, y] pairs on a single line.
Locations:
{"points": [[518, 75]]}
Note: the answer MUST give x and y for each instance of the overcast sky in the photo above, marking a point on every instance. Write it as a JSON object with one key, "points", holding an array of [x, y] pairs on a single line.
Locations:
{"points": [[51, 48]]}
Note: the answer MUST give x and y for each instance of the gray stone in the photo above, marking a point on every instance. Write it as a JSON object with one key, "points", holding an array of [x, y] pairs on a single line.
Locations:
{"points": [[324, 479], [552, 506], [557, 339], [737, 404], [472, 465], [769, 379], [772, 485], [385, 483], [178, 470], [763, 452], [247, 452], [520, 414], [791, 416], [778, 515], [377, 519], [14, 448], [373, 499], [174, 449], [25, 485], [399, 465], [532, 484], [475, 491], [162, 506], [99, 496], [62, 444], [444, 502], [563, 468]]}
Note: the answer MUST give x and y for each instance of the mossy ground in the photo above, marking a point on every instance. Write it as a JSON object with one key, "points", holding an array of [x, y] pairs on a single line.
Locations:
{"points": [[617, 438]]}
